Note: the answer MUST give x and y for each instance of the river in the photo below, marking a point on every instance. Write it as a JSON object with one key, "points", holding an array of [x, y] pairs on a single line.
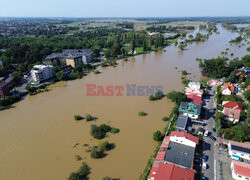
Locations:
{"points": [[37, 134]]}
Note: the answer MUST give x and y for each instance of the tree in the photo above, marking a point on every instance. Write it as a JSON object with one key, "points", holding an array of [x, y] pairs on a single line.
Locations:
{"points": [[97, 132], [247, 95], [104, 146], [81, 174], [96, 153], [142, 113], [61, 76], [74, 176], [88, 117], [157, 136], [77, 117], [176, 97], [114, 130]]}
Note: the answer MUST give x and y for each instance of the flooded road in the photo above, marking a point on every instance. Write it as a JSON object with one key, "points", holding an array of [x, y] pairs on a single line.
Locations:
{"points": [[37, 135]]}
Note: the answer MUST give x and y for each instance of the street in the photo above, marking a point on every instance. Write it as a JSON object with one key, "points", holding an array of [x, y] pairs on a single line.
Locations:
{"points": [[208, 143]]}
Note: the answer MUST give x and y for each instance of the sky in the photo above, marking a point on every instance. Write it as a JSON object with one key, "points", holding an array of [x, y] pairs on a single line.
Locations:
{"points": [[123, 8]]}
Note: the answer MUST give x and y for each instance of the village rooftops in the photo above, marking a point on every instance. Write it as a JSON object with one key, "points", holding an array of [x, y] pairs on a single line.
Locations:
{"points": [[185, 135], [179, 154], [195, 85], [4, 81], [190, 108]]}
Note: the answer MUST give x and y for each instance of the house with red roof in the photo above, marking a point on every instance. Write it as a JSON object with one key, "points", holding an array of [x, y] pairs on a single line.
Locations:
{"points": [[172, 172], [232, 110], [194, 95], [240, 170], [248, 87], [184, 138], [240, 74], [228, 88]]}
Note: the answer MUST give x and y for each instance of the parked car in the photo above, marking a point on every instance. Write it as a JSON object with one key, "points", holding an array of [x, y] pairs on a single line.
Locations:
{"points": [[212, 137], [204, 178], [214, 129], [204, 158], [223, 149], [206, 133], [204, 166]]}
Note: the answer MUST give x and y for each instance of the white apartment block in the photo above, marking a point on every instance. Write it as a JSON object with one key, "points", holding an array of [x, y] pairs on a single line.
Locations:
{"points": [[42, 73]]}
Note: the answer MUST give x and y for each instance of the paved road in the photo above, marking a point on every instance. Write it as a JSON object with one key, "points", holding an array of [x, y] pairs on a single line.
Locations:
{"points": [[208, 144]]}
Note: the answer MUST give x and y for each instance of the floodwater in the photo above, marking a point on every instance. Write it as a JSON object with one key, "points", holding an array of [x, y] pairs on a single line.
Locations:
{"points": [[37, 135]]}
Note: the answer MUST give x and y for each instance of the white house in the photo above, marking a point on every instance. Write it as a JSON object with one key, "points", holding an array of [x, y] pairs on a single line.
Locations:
{"points": [[42, 73], [226, 92], [194, 85], [228, 88], [240, 170], [239, 150], [184, 138]]}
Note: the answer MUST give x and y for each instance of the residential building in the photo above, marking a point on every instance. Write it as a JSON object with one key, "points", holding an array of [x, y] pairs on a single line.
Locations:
{"points": [[213, 82], [228, 88], [6, 83], [182, 123], [60, 59], [174, 160], [240, 74], [171, 172], [240, 170], [190, 109], [194, 85], [184, 138], [247, 71], [194, 95], [232, 110], [239, 150], [74, 61], [67, 69], [42, 73], [248, 87]]}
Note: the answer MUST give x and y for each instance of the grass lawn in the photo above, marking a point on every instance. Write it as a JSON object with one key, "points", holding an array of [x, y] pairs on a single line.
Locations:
{"points": [[139, 50]]}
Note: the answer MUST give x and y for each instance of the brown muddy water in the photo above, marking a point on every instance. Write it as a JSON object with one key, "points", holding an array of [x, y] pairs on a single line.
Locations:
{"points": [[37, 135]]}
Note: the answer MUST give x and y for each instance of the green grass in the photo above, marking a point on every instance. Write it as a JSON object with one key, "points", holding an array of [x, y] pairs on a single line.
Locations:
{"points": [[139, 50]]}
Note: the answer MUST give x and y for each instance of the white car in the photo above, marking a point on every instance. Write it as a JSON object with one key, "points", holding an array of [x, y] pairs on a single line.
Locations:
{"points": [[204, 165], [206, 133]]}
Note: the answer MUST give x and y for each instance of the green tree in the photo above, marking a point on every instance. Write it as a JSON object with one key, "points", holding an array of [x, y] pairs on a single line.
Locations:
{"points": [[157, 136]]}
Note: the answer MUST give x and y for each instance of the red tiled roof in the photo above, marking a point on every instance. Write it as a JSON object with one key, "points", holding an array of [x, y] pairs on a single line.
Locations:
{"points": [[241, 168], [240, 74], [161, 155], [173, 172], [248, 87], [186, 135], [194, 98], [230, 86], [232, 105]]}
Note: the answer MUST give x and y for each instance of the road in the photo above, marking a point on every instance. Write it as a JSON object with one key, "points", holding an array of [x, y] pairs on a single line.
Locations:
{"points": [[208, 144]]}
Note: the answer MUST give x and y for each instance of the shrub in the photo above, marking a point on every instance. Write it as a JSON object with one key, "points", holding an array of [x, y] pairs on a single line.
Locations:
{"points": [[114, 130], [88, 117], [96, 72], [96, 153], [77, 117], [176, 97], [184, 72], [157, 136], [97, 132], [165, 118], [106, 178], [105, 127], [104, 146], [142, 113], [82, 173]]}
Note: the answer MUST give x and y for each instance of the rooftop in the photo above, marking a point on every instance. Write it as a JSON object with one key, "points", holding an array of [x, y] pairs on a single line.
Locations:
{"points": [[173, 172], [69, 53], [190, 108], [180, 154], [241, 168], [240, 146], [182, 122], [186, 135], [232, 105]]}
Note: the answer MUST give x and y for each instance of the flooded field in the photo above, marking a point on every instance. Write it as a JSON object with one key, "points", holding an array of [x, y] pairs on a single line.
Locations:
{"points": [[37, 135]]}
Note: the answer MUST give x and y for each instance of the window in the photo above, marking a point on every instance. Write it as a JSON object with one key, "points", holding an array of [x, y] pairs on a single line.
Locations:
{"points": [[242, 154], [239, 176]]}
